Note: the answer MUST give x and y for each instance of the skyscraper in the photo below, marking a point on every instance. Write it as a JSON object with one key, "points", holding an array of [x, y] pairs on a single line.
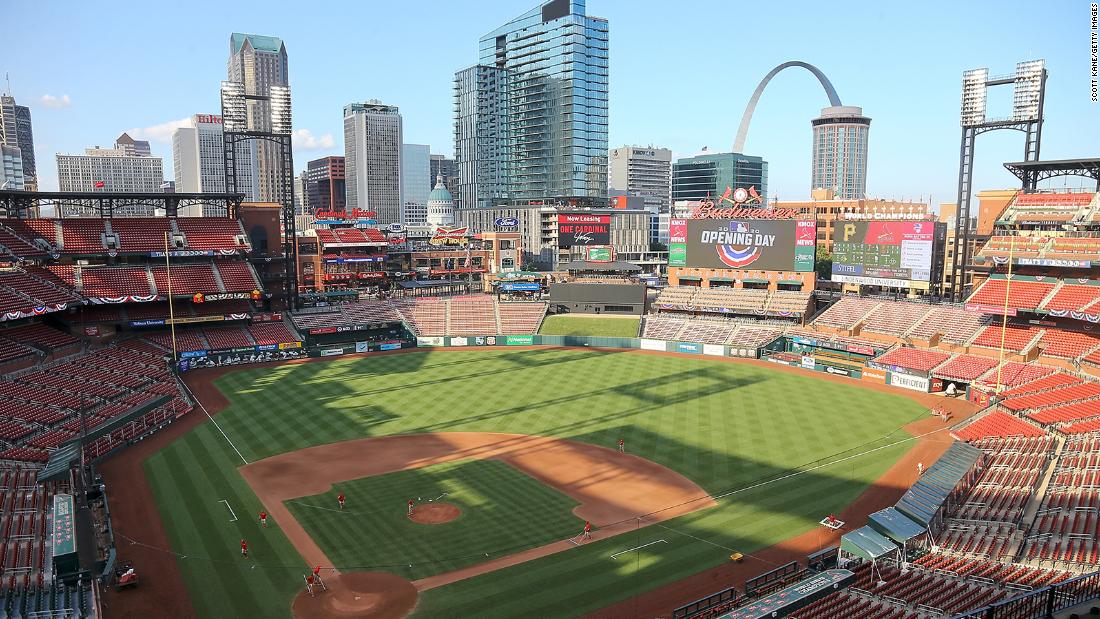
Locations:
{"points": [[642, 171], [325, 190], [481, 136], [197, 159], [109, 170], [11, 168], [260, 62], [372, 159], [839, 160], [131, 147], [415, 167], [538, 101], [15, 132]]}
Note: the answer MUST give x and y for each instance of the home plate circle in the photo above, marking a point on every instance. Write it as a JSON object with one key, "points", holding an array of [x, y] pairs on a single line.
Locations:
{"points": [[357, 594]]}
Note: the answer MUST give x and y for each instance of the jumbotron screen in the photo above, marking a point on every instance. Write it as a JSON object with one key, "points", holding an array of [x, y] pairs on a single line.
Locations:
{"points": [[883, 253], [763, 244]]}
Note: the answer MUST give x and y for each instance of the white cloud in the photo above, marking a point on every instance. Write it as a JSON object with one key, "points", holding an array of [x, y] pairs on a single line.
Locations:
{"points": [[305, 140], [161, 132], [55, 102]]}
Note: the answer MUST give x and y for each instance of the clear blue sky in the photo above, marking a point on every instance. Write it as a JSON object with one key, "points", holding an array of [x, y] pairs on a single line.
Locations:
{"points": [[681, 73]]}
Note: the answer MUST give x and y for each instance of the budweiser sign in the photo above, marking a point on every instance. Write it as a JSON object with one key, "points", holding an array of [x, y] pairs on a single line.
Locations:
{"points": [[707, 209], [355, 213]]}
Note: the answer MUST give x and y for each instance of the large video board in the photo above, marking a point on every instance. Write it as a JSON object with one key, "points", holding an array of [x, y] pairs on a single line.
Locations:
{"points": [[883, 253], [761, 244]]}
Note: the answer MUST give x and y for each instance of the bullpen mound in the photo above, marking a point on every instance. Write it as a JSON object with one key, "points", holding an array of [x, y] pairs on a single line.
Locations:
{"points": [[358, 594], [434, 513]]}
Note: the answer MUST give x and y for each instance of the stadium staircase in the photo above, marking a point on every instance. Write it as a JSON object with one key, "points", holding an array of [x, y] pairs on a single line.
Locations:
{"points": [[447, 316], [218, 279], [496, 317]]}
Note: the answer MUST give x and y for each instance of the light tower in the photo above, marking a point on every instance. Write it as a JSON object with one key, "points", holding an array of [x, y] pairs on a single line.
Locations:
{"points": [[1029, 87]]}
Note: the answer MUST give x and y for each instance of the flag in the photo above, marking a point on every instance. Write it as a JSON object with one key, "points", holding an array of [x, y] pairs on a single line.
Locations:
{"points": [[99, 184], [467, 263]]}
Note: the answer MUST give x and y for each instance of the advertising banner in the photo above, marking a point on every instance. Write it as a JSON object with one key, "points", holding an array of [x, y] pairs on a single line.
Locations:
{"points": [[458, 341], [645, 344], [488, 340], [599, 254], [429, 341], [362, 347], [874, 375], [767, 245], [519, 340], [808, 362], [386, 346], [332, 352], [883, 253], [717, 350], [583, 229], [521, 286], [689, 347], [916, 383]]}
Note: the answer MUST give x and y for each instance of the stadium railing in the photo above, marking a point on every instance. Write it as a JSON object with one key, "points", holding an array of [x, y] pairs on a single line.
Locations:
{"points": [[1042, 602]]}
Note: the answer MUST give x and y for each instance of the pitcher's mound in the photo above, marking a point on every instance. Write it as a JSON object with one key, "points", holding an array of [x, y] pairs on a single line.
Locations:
{"points": [[434, 513], [357, 594]]}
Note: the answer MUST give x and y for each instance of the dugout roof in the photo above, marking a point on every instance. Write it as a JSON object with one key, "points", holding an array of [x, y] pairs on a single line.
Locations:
{"points": [[798, 595], [895, 525], [867, 543], [925, 498]]}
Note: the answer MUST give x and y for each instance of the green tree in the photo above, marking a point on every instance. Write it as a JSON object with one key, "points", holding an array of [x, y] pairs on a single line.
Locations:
{"points": [[823, 263]]}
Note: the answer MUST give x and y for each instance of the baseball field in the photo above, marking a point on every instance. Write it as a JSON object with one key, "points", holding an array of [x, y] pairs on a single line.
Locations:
{"points": [[522, 447]]}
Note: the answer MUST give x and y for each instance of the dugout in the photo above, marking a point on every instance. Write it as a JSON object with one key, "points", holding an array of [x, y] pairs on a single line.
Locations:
{"points": [[796, 596]]}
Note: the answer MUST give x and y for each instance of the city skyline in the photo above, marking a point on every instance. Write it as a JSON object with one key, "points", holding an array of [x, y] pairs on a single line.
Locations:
{"points": [[654, 99]]}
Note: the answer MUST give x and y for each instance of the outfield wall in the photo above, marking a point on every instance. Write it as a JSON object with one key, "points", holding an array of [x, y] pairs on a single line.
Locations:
{"points": [[581, 341]]}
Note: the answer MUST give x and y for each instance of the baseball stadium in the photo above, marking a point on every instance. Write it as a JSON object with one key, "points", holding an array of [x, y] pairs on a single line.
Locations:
{"points": [[179, 443]]}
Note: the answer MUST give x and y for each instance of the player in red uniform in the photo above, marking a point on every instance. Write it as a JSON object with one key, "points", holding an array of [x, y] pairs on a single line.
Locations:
{"points": [[622, 446], [410, 507], [244, 549], [587, 530], [340, 500], [263, 519]]}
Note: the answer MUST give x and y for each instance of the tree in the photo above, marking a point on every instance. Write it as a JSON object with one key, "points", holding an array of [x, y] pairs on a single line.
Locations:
{"points": [[823, 263]]}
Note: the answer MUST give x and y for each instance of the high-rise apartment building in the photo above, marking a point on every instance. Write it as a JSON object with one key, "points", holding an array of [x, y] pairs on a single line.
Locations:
{"points": [[11, 168], [301, 202], [531, 116], [839, 159], [415, 182], [198, 163], [481, 136], [441, 165], [260, 62], [16, 132], [645, 172], [325, 184], [372, 159], [109, 170], [709, 175]]}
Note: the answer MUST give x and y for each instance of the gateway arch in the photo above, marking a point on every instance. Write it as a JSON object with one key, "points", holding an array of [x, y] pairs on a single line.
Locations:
{"points": [[743, 130]]}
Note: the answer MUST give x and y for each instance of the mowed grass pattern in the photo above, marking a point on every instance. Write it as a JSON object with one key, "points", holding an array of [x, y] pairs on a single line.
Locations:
{"points": [[502, 508], [570, 324], [726, 426]]}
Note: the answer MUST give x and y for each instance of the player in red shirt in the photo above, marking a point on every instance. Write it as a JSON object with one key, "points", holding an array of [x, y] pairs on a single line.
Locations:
{"points": [[340, 500], [410, 507], [622, 446], [317, 571], [587, 530], [263, 519], [244, 549]]}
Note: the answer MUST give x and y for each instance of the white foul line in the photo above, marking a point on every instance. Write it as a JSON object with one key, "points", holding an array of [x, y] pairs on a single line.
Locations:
{"points": [[211, 418], [231, 512], [660, 541]]}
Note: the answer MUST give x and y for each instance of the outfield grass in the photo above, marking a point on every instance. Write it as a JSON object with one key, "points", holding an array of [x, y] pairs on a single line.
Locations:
{"points": [[569, 324], [726, 426], [500, 505]]}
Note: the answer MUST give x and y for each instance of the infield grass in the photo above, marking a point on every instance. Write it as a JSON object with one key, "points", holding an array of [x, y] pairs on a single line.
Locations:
{"points": [[735, 428], [501, 507], [571, 324]]}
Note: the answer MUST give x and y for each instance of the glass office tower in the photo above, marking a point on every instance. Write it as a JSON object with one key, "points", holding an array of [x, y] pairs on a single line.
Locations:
{"points": [[555, 60]]}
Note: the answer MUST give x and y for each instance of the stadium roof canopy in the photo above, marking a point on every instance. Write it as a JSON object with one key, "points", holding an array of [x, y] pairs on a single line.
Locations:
{"points": [[925, 498], [1031, 172], [617, 266], [895, 525], [867, 543]]}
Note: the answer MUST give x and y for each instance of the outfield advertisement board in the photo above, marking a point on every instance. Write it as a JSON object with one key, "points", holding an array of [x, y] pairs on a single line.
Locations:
{"points": [[916, 383], [717, 350], [519, 340], [884, 253], [689, 347], [429, 341], [762, 244], [645, 344]]}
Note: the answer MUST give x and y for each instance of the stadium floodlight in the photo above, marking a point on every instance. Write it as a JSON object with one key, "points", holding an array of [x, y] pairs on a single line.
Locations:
{"points": [[1026, 91], [234, 110], [973, 97], [280, 110]]}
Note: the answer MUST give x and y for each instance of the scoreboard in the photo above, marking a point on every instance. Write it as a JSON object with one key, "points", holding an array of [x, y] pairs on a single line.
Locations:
{"points": [[884, 253]]}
